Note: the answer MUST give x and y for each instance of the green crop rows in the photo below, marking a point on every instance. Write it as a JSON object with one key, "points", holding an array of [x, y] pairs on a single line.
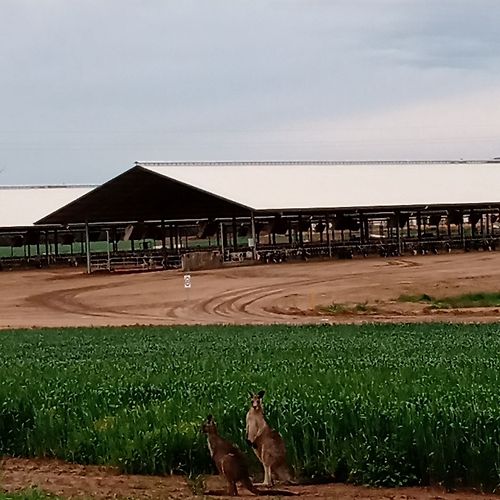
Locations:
{"points": [[386, 404]]}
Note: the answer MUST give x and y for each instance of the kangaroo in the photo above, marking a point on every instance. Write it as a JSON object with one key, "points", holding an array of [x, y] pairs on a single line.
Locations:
{"points": [[267, 443], [229, 459]]}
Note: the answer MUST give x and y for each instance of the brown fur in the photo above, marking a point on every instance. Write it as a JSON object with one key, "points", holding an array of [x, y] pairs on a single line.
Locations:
{"points": [[229, 460], [267, 443]]}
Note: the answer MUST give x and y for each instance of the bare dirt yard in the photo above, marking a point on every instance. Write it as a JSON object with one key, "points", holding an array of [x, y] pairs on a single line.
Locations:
{"points": [[279, 293], [276, 293], [77, 481]]}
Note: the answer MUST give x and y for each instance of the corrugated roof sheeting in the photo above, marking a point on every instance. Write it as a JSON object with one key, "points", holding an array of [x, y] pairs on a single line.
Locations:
{"points": [[22, 206], [323, 185], [177, 191]]}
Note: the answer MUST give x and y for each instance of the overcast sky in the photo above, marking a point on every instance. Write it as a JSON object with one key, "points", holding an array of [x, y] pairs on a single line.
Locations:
{"points": [[88, 87]]}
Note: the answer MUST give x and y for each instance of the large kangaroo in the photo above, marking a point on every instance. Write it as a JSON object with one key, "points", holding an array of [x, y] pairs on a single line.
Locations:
{"points": [[267, 443], [229, 459]]}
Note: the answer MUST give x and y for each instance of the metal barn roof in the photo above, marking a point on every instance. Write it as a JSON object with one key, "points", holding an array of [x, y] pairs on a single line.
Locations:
{"points": [[176, 191], [324, 185], [22, 206]]}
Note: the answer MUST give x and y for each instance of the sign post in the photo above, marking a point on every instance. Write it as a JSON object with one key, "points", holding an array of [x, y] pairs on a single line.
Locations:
{"points": [[187, 285]]}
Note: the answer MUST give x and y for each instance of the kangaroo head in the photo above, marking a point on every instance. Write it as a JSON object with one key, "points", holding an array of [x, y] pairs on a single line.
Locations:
{"points": [[209, 426], [256, 400]]}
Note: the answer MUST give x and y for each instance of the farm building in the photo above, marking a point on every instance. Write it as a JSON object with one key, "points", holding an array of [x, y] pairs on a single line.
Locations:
{"points": [[20, 208], [275, 211]]}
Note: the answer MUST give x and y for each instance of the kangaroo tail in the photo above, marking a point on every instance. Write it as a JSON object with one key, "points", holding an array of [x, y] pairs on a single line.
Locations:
{"points": [[284, 474], [247, 483]]}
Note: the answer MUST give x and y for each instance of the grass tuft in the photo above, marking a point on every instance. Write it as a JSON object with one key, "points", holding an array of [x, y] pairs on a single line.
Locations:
{"points": [[339, 309], [481, 299], [30, 494]]}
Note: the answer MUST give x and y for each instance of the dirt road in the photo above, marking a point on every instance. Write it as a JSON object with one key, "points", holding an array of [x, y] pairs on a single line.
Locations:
{"points": [[78, 481], [277, 293]]}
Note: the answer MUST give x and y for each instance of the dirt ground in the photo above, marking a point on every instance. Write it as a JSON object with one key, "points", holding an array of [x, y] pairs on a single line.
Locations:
{"points": [[277, 293], [77, 481]]}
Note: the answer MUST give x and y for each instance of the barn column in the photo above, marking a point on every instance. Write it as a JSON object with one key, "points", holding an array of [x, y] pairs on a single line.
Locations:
{"points": [[461, 228], [361, 230], [235, 235], [419, 227], [163, 243], [254, 240], [87, 246], [222, 239], [171, 237], [47, 247], [108, 254], [328, 239], [301, 236], [398, 231], [56, 243], [177, 239]]}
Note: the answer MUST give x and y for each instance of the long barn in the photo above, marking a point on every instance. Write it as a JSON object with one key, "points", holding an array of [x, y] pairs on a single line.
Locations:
{"points": [[280, 210]]}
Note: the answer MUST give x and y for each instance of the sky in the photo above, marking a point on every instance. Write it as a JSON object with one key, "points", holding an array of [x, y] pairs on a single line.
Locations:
{"points": [[89, 87]]}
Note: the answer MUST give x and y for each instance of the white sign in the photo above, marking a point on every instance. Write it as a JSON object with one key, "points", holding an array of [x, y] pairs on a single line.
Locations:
{"points": [[187, 281]]}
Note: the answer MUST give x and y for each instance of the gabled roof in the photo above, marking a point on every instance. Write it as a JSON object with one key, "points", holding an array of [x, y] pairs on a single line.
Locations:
{"points": [[140, 194], [326, 185], [22, 206], [176, 191]]}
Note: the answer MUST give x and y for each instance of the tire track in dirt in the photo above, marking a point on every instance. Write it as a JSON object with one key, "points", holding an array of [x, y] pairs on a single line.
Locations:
{"points": [[245, 301], [246, 304], [65, 300], [404, 263]]}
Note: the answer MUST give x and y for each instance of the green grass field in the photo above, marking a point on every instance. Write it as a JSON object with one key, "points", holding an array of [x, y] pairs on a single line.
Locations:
{"points": [[384, 405]]}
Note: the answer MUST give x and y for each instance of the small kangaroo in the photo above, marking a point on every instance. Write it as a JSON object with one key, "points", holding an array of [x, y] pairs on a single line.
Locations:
{"points": [[267, 443], [229, 459]]}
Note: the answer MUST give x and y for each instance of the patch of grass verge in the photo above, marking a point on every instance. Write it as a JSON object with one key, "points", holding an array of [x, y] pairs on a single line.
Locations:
{"points": [[480, 299], [335, 309], [31, 494]]}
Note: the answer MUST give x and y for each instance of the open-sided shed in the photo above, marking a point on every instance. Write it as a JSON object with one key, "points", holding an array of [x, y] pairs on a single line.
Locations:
{"points": [[348, 193], [22, 206]]}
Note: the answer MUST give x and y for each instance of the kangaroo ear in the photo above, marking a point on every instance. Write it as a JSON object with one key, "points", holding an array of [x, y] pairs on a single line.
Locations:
{"points": [[210, 418], [261, 394], [250, 393]]}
